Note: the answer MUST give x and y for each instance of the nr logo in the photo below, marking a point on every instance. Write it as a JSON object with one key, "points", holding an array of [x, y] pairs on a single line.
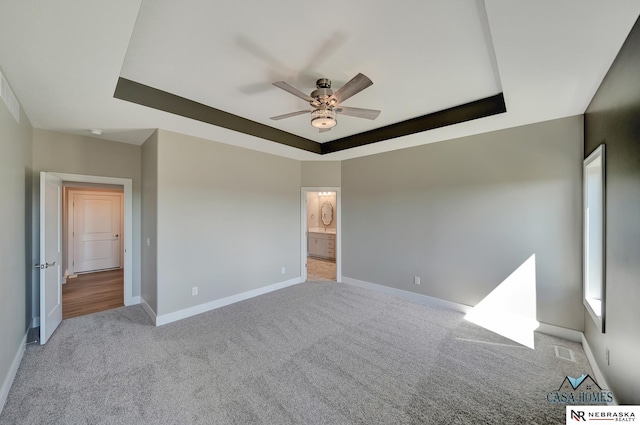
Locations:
{"points": [[577, 415]]}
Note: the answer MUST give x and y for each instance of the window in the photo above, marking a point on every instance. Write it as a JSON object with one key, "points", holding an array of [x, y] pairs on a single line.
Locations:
{"points": [[594, 231]]}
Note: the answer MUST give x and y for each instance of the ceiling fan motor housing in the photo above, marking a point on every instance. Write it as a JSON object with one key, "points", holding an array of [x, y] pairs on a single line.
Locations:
{"points": [[322, 95], [323, 83], [324, 92]]}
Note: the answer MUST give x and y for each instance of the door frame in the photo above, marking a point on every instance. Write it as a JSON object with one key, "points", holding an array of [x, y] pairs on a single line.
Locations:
{"points": [[127, 185], [303, 229]]}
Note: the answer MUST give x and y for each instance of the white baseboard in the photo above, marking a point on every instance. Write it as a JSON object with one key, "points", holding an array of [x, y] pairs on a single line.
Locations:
{"points": [[35, 322], [596, 369], [560, 332], [163, 319], [410, 296], [544, 328], [131, 300], [147, 308], [13, 369]]}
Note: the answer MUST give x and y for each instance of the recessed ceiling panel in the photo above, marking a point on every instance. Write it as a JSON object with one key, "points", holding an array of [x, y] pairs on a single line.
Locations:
{"points": [[422, 57], [64, 60]]}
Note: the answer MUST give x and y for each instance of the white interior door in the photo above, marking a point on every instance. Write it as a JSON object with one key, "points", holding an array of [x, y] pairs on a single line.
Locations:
{"points": [[96, 232], [50, 255]]}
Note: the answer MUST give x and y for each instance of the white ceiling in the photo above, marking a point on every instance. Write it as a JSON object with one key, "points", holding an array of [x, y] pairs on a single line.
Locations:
{"points": [[548, 57]]}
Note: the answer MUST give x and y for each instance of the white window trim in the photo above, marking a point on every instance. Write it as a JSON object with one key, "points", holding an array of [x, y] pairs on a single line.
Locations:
{"points": [[594, 306]]}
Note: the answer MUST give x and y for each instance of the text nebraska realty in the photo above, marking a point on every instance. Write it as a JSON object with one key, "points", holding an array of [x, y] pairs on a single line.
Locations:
{"points": [[616, 416], [622, 416]]}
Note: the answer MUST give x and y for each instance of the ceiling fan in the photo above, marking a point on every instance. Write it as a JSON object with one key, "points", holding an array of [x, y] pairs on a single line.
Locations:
{"points": [[326, 104]]}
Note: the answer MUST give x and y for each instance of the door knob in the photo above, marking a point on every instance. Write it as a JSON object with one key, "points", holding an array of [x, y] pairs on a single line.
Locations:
{"points": [[117, 236]]}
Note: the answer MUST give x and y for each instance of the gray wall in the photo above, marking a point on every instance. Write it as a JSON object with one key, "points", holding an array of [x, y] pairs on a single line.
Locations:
{"points": [[613, 118], [464, 214], [15, 222], [73, 154], [148, 289], [228, 220], [321, 174]]}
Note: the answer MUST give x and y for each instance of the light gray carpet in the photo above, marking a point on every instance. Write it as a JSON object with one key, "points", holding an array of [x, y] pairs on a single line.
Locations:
{"points": [[314, 353]]}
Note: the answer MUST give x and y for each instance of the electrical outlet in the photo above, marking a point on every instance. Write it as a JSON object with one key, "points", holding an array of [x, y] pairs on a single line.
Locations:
{"points": [[416, 280], [194, 291], [607, 355], [284, 270]]}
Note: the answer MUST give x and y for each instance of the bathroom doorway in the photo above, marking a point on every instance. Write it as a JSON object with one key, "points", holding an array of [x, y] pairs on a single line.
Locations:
{"points": [[321, 230]]}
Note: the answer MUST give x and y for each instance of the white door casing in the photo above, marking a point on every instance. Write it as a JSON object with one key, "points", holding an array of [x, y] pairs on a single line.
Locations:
{"points": [[50, 255], [97, 231]]}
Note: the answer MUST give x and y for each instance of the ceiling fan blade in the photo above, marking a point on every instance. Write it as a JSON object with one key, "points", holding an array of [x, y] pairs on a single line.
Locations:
{"points": [[324, 130], [290, 114], [370, 114], [353, 86], [294, 91], [324, 52]]}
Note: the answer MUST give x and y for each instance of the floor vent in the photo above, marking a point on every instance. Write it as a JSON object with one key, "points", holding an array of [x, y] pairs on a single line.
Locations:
{"points": [[9, 98], [564, 353]]}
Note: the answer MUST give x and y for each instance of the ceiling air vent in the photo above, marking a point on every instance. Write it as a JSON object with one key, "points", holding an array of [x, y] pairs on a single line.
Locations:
{"points": [[564, 353], [9, 98]]}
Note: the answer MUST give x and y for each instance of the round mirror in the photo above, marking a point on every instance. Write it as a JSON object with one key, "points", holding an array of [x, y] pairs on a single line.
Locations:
{"points": [[327, 213]]}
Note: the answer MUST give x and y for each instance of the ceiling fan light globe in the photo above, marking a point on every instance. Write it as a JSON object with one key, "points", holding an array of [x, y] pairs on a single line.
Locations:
{"points": [[323, 118], [323, 122]]}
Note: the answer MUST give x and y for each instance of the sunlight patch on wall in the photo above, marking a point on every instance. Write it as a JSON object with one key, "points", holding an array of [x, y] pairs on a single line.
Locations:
{"points": [[510, 309]]}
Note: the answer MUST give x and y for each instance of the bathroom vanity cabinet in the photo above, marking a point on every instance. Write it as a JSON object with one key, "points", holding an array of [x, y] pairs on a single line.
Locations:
{"points": [[321, 245]]}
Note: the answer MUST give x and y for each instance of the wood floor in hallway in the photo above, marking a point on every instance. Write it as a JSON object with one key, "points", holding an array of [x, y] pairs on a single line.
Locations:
{"points": [[92, 292]]}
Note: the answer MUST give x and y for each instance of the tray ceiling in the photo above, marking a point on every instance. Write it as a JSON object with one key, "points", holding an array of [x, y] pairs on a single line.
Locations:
{"points": [[546, 59]]}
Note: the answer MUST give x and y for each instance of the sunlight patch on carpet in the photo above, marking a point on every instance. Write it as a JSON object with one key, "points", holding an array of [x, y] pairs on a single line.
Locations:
{"points": [[510, 309]]}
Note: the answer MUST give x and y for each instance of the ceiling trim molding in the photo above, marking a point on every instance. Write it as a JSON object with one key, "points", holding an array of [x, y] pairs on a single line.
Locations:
{"points": [[144, 95], [486, 107]]}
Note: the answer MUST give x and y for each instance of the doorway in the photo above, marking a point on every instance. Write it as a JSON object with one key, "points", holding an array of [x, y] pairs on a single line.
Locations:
{"points": [[93, 248], [321, 241], [51, 271]]}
